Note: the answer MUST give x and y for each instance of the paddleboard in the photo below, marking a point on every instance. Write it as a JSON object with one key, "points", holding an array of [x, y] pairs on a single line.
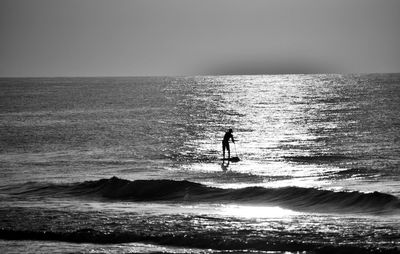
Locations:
{"points": [[232, 159]]}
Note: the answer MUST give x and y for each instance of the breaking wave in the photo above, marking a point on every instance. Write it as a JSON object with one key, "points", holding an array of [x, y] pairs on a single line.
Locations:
{"points": [[304, 199], [198, 240]]}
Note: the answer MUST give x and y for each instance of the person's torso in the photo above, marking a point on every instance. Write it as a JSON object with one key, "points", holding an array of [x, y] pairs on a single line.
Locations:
{"points": [[227, 136]]}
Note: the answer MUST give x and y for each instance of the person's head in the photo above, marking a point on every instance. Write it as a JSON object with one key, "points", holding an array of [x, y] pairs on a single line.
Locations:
{"points": [[230, 130]]}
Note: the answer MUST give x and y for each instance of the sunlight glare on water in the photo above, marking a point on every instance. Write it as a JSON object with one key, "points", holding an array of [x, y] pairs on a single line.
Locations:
{"points": [[270, 116], [249, 212]]}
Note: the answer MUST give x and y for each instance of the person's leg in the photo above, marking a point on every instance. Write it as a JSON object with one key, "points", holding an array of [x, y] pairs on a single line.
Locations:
{"points": [[229, 151], [223, 150]]}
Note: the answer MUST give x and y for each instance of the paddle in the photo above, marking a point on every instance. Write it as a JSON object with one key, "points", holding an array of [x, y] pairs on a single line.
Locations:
{"points": [[236, 158]]}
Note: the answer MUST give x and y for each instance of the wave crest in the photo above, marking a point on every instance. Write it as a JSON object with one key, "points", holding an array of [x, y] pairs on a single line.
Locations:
{"points": [[308, 199]]}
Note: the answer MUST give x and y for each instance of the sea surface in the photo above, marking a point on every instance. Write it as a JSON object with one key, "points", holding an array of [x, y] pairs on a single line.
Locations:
{"points": [[133, 164]]}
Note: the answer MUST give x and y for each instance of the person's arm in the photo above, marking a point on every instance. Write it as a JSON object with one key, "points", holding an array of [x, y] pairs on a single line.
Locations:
{"points": [[233, 141]]}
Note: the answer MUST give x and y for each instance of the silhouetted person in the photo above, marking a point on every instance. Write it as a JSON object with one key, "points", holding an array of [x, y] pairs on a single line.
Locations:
{"points": [[225, 143]]}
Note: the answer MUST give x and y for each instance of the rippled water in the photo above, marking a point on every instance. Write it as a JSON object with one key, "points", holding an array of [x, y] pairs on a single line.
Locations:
{"points": [[333, 137]]}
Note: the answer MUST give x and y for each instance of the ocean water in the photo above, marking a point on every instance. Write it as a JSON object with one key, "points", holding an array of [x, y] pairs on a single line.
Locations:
{"points": [[133, 165]]}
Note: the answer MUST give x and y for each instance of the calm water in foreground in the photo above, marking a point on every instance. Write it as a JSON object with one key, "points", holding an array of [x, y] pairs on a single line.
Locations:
{"points": [[111, 165]]}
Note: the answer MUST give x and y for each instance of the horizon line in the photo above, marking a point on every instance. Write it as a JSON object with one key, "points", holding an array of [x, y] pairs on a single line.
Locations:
{"points": [[193, 75]]}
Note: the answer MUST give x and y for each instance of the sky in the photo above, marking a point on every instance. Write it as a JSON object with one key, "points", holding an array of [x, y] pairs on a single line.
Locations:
{"points": [[204, 37]]}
